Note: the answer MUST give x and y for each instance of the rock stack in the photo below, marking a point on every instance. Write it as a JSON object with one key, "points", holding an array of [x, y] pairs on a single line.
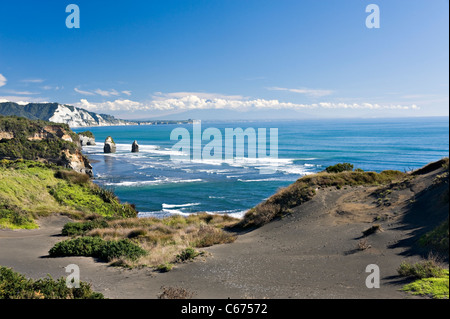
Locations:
{"points": [[110, 146], [86, 141], [135, 147]]}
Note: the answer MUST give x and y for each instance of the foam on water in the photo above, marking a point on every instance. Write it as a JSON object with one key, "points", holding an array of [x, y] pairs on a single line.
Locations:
{"points": [[164, 205], [152, 182]]}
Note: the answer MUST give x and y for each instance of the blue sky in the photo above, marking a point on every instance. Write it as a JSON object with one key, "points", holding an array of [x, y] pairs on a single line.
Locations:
{"points": [[229, 58]]}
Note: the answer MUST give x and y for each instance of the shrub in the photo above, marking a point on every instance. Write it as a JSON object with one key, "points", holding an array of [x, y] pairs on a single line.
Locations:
{"points": [[166, 267], [209, 236], [136, 233], [15, 286], [340, 167], [83, 246], [13, 217], [97, 247], [363, 244], [72, 176], [372, 230], [187, 254], [81, 228], [438, 238], [123, 248], [420, 270]]}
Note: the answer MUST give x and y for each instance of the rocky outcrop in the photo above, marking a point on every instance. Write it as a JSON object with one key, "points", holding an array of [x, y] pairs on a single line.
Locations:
{"points": [[50, 131], [6, 136], [77, 161], [86, 141], [42, 141], [110, 145], [135, 147]]}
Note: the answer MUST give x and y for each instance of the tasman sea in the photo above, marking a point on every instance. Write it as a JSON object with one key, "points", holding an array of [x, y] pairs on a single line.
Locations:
{"points": [[161, 187]]}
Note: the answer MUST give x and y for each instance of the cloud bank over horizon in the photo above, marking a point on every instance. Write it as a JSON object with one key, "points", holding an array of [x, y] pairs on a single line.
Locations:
{"points": [[178, 102]]}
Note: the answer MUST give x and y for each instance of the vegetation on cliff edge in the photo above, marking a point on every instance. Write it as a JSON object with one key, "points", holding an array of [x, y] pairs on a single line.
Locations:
{"points": [[29, 189]]}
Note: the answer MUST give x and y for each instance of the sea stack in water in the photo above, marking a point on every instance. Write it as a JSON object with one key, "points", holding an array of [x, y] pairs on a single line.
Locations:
{"points": [[135, 147], [110, 146], [86, 138]]}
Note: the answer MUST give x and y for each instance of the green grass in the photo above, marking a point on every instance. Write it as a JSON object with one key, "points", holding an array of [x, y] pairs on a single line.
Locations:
{"points": [[16, 286], [30, 189], [436, 288], [430, 279], [11, 219]]}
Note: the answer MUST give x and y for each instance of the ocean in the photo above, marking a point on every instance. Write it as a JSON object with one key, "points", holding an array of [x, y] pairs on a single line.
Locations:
{"points": [[159, 186]]}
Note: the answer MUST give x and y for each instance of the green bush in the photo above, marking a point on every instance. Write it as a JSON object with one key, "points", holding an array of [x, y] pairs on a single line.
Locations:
{"points": [[187, 254], [81, 228], [209, 236], [123, 248], [15, 286], [340, 167], [98, 248], [14, 217], [421, 270], [83, 246], [166, 267], [72, 176], [438, 238]]}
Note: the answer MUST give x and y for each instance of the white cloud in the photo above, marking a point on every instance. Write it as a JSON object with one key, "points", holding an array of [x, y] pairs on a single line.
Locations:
{"points": [[49, 87], [20, 92], [305, 91], [83, 92], [33, 80], [21, 99], [107, 93], [182, 102], [101, 92], [117, 105], [2, 80], [203, 95]]}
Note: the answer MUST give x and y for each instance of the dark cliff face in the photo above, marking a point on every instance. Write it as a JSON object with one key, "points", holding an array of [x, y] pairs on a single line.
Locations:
{"points": [[21, 138]]}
